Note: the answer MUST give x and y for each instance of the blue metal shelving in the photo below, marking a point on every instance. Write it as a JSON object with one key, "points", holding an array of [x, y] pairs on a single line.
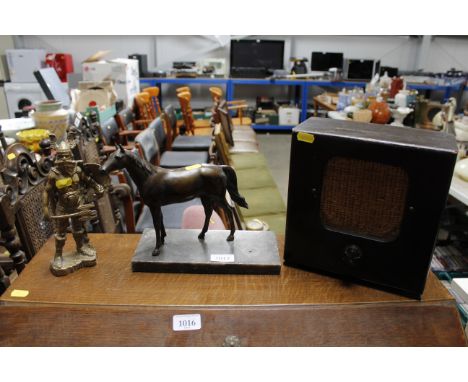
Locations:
{"points": [[231, 83], [183, 81]]}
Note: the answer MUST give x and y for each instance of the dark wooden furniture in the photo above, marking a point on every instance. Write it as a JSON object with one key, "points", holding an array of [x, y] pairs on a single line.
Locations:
{"points": [[110, 305], [23, 229], [355, 172]]}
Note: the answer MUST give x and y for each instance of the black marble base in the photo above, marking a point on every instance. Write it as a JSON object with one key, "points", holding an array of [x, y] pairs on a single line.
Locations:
{"points": [[251, 252]]}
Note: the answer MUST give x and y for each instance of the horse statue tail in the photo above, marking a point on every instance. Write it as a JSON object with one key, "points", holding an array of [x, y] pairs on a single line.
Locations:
{"points": [[232, 186]]}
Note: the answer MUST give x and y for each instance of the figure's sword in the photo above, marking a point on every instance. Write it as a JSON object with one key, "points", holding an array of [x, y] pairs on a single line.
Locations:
{"points": [[86, 212]]}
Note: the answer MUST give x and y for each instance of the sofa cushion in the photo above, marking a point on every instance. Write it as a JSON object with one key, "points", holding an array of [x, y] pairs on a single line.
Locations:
{"points": [[248, 160], [254, 178], [262, 201], [244, 147], [241, 135]]}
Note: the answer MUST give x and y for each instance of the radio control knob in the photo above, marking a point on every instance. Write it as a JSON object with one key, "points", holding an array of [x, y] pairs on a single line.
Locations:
{"points": [[352, 254]]}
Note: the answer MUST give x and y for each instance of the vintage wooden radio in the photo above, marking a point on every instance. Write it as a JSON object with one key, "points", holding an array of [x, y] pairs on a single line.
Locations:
{"points": [[365, 201]]}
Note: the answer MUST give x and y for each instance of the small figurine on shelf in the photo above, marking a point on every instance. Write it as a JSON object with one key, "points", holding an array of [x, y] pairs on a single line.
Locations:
{"points": [[68, 197]]}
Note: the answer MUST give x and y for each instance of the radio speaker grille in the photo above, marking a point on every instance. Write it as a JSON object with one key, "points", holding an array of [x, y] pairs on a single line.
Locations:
{"points": [[363, 198]]}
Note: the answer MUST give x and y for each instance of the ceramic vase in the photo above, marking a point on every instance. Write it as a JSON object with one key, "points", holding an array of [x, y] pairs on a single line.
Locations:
{"points": [[380, 112]]}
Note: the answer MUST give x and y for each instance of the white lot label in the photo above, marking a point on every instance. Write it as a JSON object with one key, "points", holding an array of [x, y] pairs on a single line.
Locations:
{"points": [[227, 258], [186, 322]]}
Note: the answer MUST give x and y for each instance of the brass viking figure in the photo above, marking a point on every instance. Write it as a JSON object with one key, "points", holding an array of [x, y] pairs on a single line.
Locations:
{"points": [[67, 200]]}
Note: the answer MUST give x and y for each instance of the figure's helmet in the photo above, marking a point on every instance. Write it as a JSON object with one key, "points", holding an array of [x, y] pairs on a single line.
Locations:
{"points": [[64, 153], [72, 132]]}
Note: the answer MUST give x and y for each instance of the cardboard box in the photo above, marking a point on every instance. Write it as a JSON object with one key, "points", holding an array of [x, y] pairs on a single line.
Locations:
{"points": [[288, 115], [103, 115], [23, 62], [93, 93], [122, 71]]}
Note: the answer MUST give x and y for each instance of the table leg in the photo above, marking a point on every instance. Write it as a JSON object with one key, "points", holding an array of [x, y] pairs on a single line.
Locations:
{"points": [[229, 90], [305, 93]]}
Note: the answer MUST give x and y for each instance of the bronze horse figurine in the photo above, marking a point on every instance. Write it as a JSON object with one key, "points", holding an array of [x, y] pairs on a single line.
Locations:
{"points": [[160, 186]]}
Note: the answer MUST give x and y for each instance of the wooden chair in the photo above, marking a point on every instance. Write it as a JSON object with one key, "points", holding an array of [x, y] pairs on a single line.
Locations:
{"points": [[169, 139], [128, 126], [240, 140], [110, 133], [144, 109], [6, 263], [193, 126], [154, 94], [221, 146], [119, 129], [23, 228], [148, 145], [183, 89], [216, 94], [238, 105]]}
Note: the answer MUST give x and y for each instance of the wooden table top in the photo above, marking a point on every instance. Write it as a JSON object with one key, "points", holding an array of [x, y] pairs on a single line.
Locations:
{"points": [[112, 282], [325, 105]]}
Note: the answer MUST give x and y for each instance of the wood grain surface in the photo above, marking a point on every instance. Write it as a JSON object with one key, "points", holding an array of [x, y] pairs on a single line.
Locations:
{"points": [[109, 305], [412, 324], [112, 282]]}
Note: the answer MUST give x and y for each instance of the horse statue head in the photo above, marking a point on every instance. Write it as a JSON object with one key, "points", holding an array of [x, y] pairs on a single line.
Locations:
{"points": [[118, 160]]}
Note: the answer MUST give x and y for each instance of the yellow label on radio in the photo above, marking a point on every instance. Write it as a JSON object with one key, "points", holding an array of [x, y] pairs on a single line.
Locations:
{"points": [[19, 293], [305, 137], [193, 167], [11, 156], [65, 182]]}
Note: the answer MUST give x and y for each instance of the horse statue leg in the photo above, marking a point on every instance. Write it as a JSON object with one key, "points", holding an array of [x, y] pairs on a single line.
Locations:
{"points": [[208, 207], [163, 230], [156, 214], [228, 210]]}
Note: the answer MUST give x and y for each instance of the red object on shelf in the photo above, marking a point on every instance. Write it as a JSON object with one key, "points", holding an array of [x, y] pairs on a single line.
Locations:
{"points": [[62, 63], [380, 112], [396, 85]]}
